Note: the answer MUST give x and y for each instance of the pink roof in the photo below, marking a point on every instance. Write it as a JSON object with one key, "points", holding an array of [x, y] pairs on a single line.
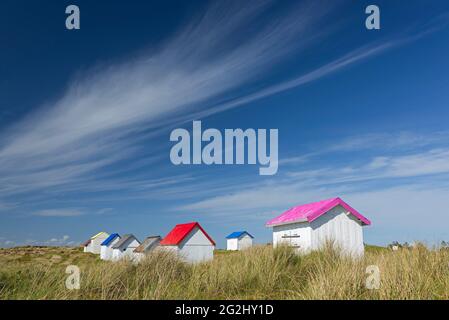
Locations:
{"points": [[311, 211]]}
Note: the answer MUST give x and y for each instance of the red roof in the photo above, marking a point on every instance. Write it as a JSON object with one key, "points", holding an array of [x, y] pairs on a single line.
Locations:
{"points": [[180, 231]]}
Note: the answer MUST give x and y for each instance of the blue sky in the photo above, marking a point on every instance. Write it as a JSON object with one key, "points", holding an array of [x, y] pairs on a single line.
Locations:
{"points": [[85, 115]]}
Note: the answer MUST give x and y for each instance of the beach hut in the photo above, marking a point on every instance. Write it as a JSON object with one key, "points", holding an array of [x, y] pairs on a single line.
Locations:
{"points": [[124, 248], [85, 245], [106, 246], [308, 227], [239, 240], [148, 245], [93, 245], [190, 242]]}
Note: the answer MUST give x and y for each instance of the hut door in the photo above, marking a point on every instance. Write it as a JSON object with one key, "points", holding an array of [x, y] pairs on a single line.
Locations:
{"points": [[295, 239], [292, 238]]}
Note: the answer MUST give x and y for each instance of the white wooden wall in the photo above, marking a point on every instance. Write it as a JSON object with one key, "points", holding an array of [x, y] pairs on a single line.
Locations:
{"points": [[241, 243], [125, 251], [341, 227], [95, 244], [129, 250], [106, 251], [232, 244], [296, 235], [245, 242]]}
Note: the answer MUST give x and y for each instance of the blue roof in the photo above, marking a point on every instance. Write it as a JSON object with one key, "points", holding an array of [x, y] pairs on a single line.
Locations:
{"points": [[238, 234], [109, 239]]}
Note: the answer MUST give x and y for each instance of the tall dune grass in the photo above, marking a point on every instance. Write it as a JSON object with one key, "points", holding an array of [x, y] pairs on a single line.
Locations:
{"points": [[258, 273]]}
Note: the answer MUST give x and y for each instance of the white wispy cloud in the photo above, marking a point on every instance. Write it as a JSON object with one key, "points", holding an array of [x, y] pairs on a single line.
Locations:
{"points": [[104, 117], [97, 120], [404, 213], [54, 241], [397, 142], [412, 165], [397, 188], [105, 211], [63, 212], [7, 243], [58, 241], [426, 163]]}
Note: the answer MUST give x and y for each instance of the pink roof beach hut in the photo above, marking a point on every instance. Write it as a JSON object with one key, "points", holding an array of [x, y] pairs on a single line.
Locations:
{"points": [[307, 227]]}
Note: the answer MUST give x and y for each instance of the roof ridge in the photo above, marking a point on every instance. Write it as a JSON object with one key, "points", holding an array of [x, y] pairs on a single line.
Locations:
{"points": [[237, 234], [95, 236], [311, 211], [181, 231]]}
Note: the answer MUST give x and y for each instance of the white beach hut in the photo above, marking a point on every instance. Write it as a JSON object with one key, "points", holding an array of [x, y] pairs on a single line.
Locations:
{"points": [[239, 240], [93, 245], [124, 248], [148, 245], [308, 227], [85, 245], [190, 242], [106, 246]]}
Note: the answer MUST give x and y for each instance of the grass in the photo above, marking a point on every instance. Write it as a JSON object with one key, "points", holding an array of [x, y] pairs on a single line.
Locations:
{"points": [[258, 273]]}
